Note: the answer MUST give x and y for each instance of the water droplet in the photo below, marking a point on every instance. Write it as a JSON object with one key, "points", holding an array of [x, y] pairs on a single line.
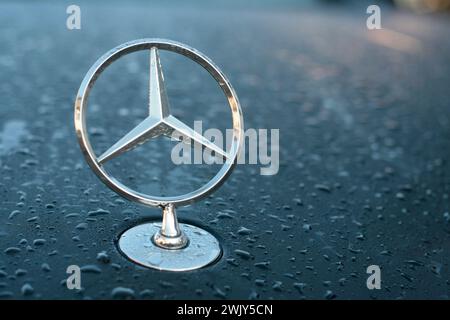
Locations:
{"points": [[27, 289], [103, 257], [123, 293]]}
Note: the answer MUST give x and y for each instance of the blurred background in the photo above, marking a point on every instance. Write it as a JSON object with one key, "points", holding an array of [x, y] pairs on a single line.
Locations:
{"points": [[419, 6]]}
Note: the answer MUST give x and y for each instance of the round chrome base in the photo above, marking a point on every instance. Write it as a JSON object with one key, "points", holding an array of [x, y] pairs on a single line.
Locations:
{"points": [[137, 245]]}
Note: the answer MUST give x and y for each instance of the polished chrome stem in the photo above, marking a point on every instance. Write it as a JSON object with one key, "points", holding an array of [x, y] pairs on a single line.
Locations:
{"points": [[170, 236]]}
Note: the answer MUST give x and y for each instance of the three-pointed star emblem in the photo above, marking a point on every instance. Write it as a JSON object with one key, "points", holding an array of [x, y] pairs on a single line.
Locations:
{"points": [[159, 121]]}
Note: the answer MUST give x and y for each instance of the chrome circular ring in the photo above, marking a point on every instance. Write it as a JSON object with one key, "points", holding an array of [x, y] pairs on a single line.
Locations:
{"points": [[80, 120]]}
